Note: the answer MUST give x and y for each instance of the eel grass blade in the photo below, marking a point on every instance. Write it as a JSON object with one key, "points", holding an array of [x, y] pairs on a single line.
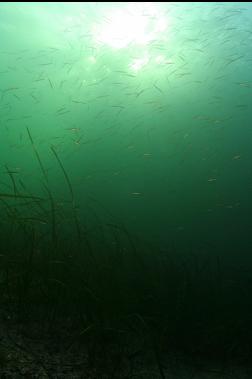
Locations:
{"points": [[19, 196], [64, 172], [71, 192], [37, 155]]}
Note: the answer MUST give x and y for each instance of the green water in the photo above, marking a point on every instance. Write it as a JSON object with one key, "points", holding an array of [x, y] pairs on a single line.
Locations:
{"points": [[148, 108]]}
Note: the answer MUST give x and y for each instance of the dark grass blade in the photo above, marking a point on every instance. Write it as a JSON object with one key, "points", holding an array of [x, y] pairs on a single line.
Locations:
{"points": [[37, 155], [19, 196], [64, 172], [12, 179], [53, 216], [77, 224]]}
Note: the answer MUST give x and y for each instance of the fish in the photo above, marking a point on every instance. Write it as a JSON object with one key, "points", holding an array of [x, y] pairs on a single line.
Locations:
{"points": [[211, 179]]}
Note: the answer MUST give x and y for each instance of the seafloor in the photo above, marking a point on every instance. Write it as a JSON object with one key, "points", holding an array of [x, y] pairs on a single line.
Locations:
{"points": [[29, 351]]}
